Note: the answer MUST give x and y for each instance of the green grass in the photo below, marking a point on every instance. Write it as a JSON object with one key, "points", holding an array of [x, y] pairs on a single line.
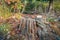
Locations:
{"points": [[5, 13], [56, 5]]}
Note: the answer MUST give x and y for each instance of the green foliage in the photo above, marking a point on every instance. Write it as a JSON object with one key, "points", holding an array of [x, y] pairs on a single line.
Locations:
{"points": [[50, 19], [29, 5], [4, 28]]}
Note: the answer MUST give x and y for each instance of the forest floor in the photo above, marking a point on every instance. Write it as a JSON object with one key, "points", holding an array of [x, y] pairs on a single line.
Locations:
{"points": [[15, 19]]}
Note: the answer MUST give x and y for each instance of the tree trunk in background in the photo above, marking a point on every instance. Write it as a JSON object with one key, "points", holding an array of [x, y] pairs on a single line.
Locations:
{"points": [[50, 5]]}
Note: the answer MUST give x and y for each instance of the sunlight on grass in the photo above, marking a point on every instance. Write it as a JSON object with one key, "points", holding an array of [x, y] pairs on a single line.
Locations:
{"points": [[18, 15], [45, 4], [7, 15], [56, 5]]}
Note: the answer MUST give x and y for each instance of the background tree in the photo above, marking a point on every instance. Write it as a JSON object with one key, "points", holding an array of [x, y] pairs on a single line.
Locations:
{"points": [[50, 5]]}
